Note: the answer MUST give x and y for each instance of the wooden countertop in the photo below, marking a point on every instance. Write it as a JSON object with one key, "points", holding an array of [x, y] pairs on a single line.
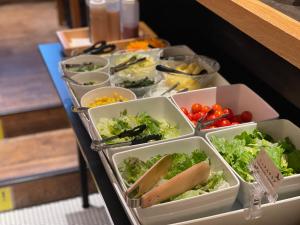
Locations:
{"points": [[271, 28]]}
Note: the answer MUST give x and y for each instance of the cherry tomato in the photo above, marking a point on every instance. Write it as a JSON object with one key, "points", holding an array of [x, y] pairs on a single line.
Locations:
{"points": [[218, 113], [195, 123], [235, 123], [197, 116], [196, 107], [223, 123], [236, 118], [246, 116], [217, 107], [184, 110], [211, 117], [229, 112], [205, 108], [190, 116]]}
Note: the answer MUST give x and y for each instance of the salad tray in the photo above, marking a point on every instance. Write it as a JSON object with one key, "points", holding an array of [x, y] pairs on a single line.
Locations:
{"points": [[78, 38], [277, 129]]}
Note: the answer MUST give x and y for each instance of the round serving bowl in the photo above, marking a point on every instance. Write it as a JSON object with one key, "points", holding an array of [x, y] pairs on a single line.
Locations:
{"points": [[101, 79], [191, 82], [83, 59], [90, 97], [143, 91]]}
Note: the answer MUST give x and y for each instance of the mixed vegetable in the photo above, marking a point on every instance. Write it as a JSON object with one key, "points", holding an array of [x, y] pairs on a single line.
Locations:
{"points": [[197, 111], [132, 168], [84, 67], [243, 148], [109, 127]]}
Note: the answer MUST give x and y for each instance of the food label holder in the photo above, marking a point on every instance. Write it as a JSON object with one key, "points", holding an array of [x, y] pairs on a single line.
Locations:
{"points": [[268, 179]]}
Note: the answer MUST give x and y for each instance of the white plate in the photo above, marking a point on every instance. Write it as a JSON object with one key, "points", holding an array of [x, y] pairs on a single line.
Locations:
{"points": [[278, 129], [159, 108], [175, 211], [238, 97]]}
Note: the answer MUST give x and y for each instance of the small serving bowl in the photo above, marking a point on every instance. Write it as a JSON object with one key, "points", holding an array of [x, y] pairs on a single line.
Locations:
{"points": [[101, 61], [101, 79], [191, 81], [140, 91], [92, 95]]}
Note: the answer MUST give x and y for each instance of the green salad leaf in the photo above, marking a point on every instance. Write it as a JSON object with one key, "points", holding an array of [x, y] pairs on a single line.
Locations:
{"points": [[243, 148]]}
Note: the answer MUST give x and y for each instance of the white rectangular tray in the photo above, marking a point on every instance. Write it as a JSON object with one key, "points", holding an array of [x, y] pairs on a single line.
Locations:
{"points": [[278, 129], [180, 210]]}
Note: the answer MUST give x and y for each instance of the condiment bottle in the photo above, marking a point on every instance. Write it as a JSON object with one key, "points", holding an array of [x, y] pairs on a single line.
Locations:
{"points": [[130, 18], [114, 22], [98, 21]]}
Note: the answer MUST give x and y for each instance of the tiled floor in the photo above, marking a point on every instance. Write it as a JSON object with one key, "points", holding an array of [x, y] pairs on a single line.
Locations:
{"points": [[67, 212], [24, 80]]}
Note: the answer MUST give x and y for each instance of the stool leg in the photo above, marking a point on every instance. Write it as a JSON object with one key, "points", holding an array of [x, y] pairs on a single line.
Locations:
{"points": [[83, 180]]}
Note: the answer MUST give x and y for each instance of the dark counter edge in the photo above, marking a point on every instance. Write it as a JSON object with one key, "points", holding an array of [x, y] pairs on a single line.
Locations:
{"points": [[52, 54]]}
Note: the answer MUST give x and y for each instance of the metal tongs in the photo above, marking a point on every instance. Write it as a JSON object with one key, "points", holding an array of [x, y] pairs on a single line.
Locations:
{"points": [[202, 122], [124, 65], [99, 145], [100, 47]]}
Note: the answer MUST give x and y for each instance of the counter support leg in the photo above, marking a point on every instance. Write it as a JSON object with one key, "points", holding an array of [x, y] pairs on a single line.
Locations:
{"points": [[83, 179]]}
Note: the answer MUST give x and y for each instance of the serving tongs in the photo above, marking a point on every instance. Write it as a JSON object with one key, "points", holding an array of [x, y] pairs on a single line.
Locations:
{"points": [[98, 145], [100, 47], [124, 65], [144, 192], [166, 69], [203, 122]]}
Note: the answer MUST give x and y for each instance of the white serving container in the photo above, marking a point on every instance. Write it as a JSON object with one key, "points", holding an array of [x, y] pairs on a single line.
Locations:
{"points": [[101, 78], [159, 108], [84, 59], [238, 97], [278, 129], [195, 207], [90, 96]]}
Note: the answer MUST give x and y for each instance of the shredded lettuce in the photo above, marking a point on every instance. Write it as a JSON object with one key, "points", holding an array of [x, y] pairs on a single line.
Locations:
{"points": [[243, 148], [110, 127]]}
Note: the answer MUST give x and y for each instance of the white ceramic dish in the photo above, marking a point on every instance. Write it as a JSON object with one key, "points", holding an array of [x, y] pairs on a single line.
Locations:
{"points": [[175, 211], [103, 62], [159, 108], [238, 97], [278, 129], [90, 96], [102, 79]]}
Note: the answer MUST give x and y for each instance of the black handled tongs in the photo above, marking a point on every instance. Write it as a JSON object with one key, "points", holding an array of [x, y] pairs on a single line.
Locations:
{"points": [[98, 145], [202, 122], [124, 65]]}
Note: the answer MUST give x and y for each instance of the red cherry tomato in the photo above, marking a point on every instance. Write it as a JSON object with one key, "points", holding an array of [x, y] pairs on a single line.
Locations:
{"points": [[196, 107], [235, 123], [217, 107], [229, 112], [211, 117], [205, 108], [246, 116], [184, 110], [197, 116], [195, 123], [236, 118], [218, 113], [223, 123], [190, 116]]}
